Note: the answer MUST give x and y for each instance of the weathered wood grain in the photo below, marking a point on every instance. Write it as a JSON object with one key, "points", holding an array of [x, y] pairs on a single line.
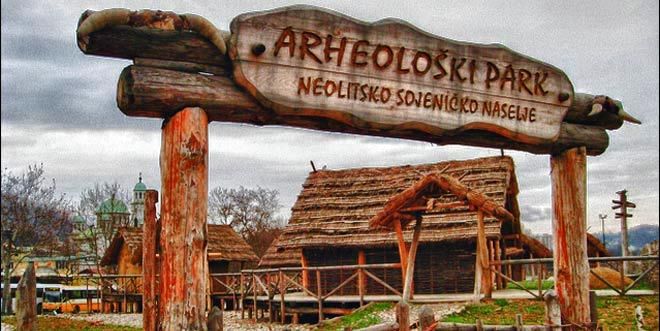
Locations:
{"points": [[482, 257], [569, 227], [299, 60], [159, 93], [26, 300], [149, 263], [184, 185]]}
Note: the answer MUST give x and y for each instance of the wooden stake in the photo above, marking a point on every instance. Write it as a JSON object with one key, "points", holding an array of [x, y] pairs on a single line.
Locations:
{"points": [[282, 292], [149, 309], [403, 249], [410, 268], [482, 257], [362, 279], [26, 300], [184, 176], [304, 273], [319, 293], [571, 267]]}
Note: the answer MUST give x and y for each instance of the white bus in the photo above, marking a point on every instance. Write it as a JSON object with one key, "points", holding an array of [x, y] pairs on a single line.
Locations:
{"points": [[41, 294]]}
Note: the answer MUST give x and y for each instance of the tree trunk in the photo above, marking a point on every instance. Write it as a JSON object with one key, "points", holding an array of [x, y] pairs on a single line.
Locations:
{"points": [[6, 280], [149, 264], [184, 176], [569, 225]]}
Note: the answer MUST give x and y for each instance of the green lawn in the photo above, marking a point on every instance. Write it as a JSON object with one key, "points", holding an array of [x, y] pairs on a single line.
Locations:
{"points": [[360, 318]]}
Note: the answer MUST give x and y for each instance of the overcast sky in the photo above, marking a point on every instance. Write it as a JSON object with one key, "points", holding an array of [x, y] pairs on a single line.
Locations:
{"points": [[58, 105]]}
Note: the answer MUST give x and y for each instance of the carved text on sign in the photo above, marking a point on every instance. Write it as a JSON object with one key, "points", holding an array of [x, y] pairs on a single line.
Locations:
{"points": [[303, 61]]}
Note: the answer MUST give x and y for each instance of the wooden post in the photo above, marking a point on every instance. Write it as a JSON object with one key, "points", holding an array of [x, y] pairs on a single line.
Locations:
{"points": [[593, 307], [149, 309], [498, 257], [569, 225], [184, 184], [403, 315], [215, 320], [282, 305], [319, 293], [403, 249], [491, 259], [254, 296], [410, 268], [304, 273], [624, 230], [552, 311], [242, 303], [26, 300], [482, 257], [362, 279]]}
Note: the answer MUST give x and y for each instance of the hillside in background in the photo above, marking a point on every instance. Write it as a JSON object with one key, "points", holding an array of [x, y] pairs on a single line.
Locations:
{"points": [[638, 236]]}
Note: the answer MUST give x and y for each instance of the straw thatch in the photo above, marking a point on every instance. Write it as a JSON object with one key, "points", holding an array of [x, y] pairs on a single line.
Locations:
{"points": [[274, 258], [595, 247], [335, 206], [535, 247], [224, 244]]}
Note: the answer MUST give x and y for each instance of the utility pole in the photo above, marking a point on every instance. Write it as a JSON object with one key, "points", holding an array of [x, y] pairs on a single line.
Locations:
{"points": [[602, 226], [623, 204]]}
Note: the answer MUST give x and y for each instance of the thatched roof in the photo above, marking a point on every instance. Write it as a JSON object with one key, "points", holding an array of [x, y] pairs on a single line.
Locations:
{"points": [[596, 246], [335, 206], [280, 258], [531, 245], [128, 237], [224, 244]]}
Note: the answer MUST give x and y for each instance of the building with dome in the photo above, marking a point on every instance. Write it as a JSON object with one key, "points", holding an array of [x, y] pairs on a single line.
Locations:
{"points": [[137, 205], [111, 215]]}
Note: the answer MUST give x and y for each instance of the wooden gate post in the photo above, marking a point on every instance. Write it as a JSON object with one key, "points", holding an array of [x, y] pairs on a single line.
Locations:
{"points": [[569, 227], [26, 300], [184, 185], [149, 265]]}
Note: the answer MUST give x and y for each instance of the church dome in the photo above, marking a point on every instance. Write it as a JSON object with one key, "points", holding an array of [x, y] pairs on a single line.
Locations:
{"points": [[112, 206], [140, 185]]}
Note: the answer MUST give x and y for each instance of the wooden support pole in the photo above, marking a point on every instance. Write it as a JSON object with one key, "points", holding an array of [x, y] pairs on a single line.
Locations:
{"points": [[569, 225], [26, 300], [362, 278], [184, 184], [149, 248], [410, 268], [319, 293], [304, 273], [482, 257], [282, 292], [498, 257], [403, 249]]}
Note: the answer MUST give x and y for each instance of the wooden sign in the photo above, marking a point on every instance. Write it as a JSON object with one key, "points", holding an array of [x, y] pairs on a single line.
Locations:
{"points": [[308, 62]]}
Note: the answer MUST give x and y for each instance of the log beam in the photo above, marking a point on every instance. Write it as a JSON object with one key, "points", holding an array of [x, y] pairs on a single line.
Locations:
{"points": [[403, 249], [156, 92], [149, 265], [569, 225], [184, 183], [412, 253]]}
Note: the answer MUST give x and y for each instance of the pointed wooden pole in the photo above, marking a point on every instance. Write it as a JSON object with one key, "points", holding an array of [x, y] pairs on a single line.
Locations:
{"points": [[184, 185], [482, 258], [569, 227], [149, 248]]}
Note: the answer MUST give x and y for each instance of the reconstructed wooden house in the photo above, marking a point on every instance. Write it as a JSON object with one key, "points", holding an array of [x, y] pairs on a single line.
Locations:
{"points": [[329, 225], [227, 253]]}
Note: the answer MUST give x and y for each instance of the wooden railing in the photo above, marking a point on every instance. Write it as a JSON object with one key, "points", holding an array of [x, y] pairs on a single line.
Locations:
{"points": [[621, 290], [289, 280]]}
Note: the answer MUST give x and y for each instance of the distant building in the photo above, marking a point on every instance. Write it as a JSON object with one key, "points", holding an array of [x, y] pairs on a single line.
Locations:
{"points": [[137, 205]]}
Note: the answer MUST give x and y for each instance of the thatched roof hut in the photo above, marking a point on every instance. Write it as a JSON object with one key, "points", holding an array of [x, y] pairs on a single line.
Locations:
{"points": [[224, 244], [329, 223]]}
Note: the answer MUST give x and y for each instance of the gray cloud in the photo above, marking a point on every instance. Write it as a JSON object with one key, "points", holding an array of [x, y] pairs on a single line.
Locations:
{"points": [[58, 105]]}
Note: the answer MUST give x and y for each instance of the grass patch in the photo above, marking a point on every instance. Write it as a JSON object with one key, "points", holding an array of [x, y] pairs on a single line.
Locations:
{"points": [[65, 324], [359, 318], [501, 302], [615, 313], [532, 284]]}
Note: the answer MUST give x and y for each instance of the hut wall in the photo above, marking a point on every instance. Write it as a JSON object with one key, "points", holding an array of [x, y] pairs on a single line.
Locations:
{"points": [[439, 268], [125, 267]]}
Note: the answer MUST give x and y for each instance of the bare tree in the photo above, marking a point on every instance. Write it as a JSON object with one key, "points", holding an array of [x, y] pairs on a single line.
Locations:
{"points": [[252, 213], [90, 200], [34, 218]]}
